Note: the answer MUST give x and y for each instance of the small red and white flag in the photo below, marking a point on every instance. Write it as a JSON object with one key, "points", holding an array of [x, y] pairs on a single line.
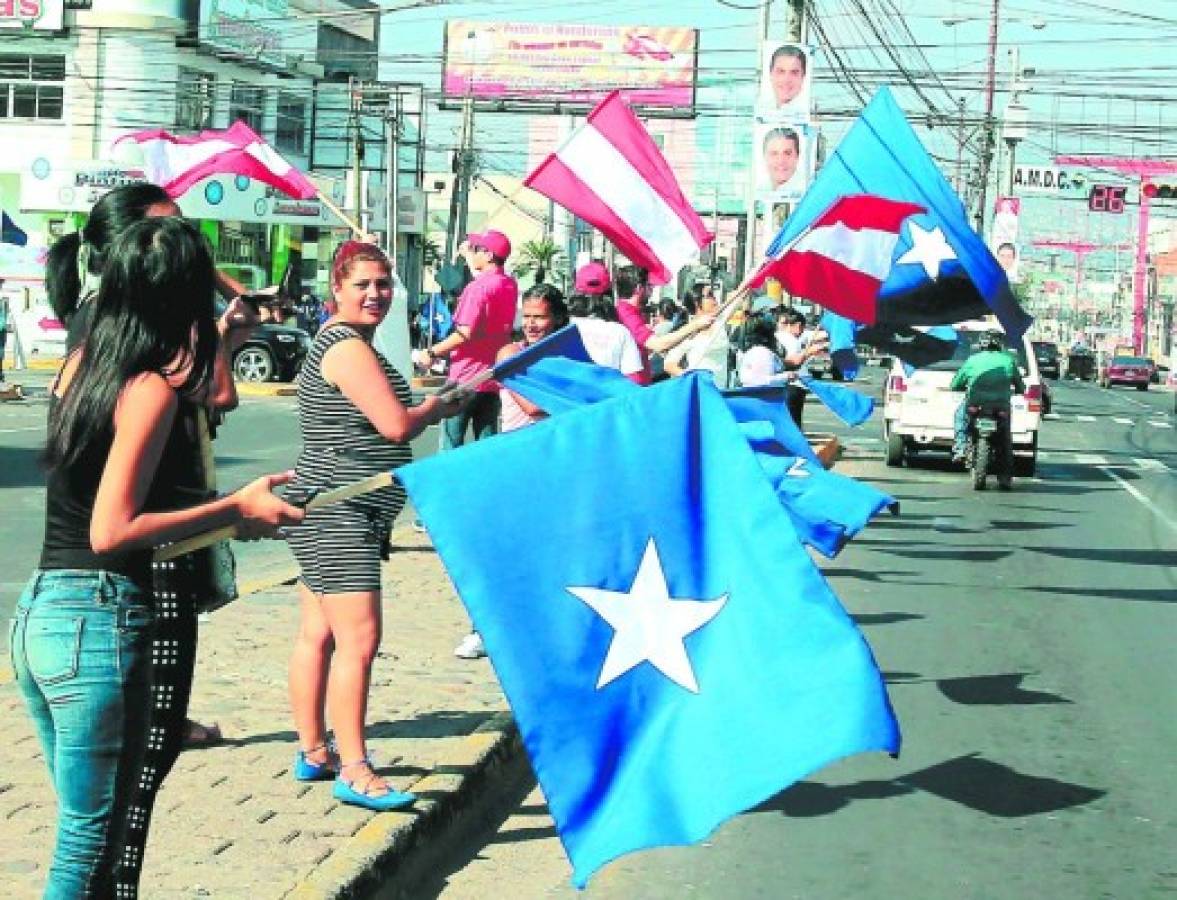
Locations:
{"points": [[843, 258], [611, 174], [177, 163]]}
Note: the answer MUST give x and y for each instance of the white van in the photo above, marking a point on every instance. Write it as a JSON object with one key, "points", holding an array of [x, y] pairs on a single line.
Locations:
{"points": [[918, 408]]}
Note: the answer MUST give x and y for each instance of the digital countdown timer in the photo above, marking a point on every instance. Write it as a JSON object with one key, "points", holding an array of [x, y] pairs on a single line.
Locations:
{"points": [[1107, 198]]}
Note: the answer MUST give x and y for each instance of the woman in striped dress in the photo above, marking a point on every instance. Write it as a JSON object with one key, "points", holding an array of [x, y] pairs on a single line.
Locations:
{"points": [[356, 419]]}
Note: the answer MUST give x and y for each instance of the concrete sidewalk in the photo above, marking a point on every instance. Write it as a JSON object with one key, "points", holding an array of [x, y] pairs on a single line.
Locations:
{"points": [[231, 821]]}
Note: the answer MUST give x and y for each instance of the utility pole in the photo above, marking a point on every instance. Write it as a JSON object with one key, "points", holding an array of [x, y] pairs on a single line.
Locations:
{"points": [[987, 140], [960, 142], [357, 154], [465, 165], [750, 227], [392, 124]]}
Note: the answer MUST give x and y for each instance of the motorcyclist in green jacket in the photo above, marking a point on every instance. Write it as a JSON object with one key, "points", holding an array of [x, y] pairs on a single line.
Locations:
{"points": [[988, 377]]}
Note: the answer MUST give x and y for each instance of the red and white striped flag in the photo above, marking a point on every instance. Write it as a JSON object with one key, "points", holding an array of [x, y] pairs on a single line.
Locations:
{"points": [[177, 163], [843, 258], [611, 174]]}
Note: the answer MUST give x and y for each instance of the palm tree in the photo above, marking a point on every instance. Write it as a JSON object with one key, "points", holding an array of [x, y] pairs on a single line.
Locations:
{"points": [[540, 257]]}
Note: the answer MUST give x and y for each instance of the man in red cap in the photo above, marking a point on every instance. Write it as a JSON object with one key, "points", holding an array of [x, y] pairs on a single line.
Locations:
{"points": [[633, 289], [593, 279], [482, 326]]}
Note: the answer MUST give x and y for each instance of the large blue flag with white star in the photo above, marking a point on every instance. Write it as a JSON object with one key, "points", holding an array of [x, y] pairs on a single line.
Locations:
{"points": [[671, 653], [943, 272]]}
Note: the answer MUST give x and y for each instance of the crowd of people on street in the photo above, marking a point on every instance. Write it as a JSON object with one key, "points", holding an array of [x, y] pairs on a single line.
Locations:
{"points": [[132, 413]]}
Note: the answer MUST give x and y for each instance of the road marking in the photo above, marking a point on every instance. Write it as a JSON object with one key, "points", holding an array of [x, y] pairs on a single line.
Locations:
{"points": [[1090, 459], [1121, 421], [1131, 489], [1085, 418], [1160, 424], [15, 430], [1154, 465], [1051, 416]]}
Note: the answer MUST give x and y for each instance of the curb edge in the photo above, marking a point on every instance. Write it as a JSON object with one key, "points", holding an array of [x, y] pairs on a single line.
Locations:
{"points": [[384, 850]]}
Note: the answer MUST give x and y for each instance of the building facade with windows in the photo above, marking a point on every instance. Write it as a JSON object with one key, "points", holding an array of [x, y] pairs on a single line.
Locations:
{"points": [[74, 80]]}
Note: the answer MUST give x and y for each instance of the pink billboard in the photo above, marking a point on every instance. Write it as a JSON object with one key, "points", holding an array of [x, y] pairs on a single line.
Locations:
{"points": [[573, 65]]}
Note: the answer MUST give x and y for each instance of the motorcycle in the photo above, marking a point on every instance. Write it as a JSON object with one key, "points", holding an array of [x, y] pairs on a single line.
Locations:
{"points": [[987, 449]]}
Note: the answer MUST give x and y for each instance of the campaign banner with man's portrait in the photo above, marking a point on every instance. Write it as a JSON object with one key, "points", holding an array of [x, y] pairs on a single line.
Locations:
{"points": [[786, 79], [784, 159], [1003, 235]]}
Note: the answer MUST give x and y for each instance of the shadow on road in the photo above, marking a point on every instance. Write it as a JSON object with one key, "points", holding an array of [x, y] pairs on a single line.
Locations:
{"points": [[1016, 525], [972, 781], [994, 690], [996, 789], [878, 575], [1138, 595], [887, 618], [807, 798], [1165, 558], [962, 555]]}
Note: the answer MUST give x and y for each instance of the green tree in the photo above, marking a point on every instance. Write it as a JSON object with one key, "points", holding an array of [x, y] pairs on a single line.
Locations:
{"points": [[538, 258]]}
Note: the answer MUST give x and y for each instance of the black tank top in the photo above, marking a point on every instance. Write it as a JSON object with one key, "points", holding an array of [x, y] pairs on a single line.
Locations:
{"points": [[69, 505]]}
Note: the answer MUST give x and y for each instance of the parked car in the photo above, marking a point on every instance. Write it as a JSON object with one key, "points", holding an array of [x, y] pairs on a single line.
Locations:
{"points": [[272, 353], [1133, 370], [919, 409], [1049, 361]]}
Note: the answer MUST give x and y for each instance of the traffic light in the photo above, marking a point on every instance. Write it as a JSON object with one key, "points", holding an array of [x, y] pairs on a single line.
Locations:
{"points": [[1160, 190]]}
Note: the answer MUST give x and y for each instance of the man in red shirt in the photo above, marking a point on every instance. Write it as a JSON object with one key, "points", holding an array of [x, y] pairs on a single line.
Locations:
{"points": [[633, 289], [482, 326]]}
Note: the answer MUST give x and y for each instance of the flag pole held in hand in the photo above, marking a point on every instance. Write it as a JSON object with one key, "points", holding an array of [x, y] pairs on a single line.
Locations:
{"points": [[338, 495]]}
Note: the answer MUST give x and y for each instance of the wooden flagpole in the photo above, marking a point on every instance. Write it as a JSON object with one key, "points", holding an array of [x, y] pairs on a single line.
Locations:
{"points": [[343, 217]]}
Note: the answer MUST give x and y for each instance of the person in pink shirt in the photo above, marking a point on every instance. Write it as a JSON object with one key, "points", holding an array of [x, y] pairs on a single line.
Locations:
{"points": [[482, 327], [633, 290]]}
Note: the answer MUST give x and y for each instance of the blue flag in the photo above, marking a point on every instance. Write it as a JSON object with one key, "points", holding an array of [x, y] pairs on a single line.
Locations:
{"points": [[10, 232], [764, 406], [435, 319], [917, 347], [557, 374], [848, 405], [826, 508], [671, 653], [943, 273]]}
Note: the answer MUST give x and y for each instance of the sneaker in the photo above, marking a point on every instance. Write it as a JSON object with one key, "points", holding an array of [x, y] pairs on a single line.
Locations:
{"points": [[471, 647]]}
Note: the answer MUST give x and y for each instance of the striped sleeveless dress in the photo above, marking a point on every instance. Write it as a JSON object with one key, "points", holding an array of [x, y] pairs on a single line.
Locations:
{"points": [[339, 547]]}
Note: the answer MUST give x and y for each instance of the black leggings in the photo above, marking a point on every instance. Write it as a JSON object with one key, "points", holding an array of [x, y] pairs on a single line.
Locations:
{"points": [[795, 400], [173, 661]]}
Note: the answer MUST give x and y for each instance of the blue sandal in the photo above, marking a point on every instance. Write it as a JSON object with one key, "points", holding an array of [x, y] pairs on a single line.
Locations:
{"points": [[305, 770], [347, 792]]}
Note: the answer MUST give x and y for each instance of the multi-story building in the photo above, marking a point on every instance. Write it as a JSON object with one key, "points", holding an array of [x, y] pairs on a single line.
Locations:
{"points": [[75, 75]]}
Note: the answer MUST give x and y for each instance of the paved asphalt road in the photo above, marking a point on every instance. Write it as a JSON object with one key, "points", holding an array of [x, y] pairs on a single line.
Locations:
{"points": [[1027, 640], [259, 437]]}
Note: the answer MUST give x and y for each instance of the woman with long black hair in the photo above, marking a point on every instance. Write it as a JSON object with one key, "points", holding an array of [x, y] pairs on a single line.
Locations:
{"points": [[118, 445]]}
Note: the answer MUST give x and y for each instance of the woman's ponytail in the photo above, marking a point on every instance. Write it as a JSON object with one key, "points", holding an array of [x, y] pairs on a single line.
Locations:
{"points": [[62, 283]]}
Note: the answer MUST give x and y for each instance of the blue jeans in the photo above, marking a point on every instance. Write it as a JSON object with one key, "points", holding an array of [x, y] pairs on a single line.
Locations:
{"points": [[960, 424], [81, 651], [482, 412]]}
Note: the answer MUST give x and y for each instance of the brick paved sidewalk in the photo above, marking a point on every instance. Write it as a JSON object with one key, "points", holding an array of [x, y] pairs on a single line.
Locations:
{"points": [[230, 820]]}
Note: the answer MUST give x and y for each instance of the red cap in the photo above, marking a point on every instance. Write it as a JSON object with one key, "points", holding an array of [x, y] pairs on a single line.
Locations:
{"points": [[494, 241], [593, 278]]}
